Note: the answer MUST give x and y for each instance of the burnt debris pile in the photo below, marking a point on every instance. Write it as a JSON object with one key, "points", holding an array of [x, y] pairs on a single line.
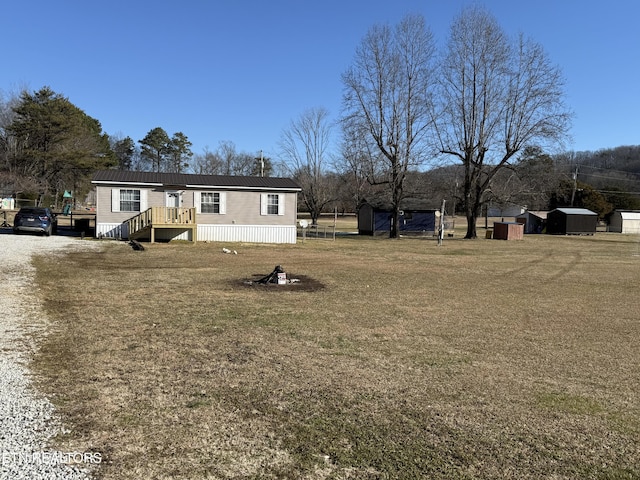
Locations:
{"points": [[280, 281], [278, 276]]}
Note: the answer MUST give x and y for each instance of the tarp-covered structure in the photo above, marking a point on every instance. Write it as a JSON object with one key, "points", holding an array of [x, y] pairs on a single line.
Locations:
{"points": [[416, 217]]}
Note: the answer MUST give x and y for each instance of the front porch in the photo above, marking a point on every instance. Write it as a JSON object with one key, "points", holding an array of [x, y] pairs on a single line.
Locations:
{"points": [[146, 224]]}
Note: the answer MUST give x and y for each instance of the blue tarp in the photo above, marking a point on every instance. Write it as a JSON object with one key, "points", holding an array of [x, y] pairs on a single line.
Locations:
{"points": [[409, 222]]}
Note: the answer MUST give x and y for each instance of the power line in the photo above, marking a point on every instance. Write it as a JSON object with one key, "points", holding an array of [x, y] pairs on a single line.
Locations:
{"points": [[591, 175], [617, 192], [610, 170]]}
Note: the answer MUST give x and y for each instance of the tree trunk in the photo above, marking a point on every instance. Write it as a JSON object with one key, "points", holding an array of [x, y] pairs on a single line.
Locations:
{"points": [[471, 223], [393, 232], [473, 211]]}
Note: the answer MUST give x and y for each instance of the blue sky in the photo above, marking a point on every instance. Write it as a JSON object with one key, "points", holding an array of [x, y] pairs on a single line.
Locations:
{"points": [[240, 71]]}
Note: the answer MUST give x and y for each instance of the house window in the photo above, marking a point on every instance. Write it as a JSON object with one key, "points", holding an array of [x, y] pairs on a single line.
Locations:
{"points": [[129, 200], [273, 204], [210, 202]]}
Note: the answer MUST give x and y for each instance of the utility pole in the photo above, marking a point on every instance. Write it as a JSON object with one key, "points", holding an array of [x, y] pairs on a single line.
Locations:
{"points": [[441, 227], [455, 198], [261, 164], [261, 158], [575, 185]]}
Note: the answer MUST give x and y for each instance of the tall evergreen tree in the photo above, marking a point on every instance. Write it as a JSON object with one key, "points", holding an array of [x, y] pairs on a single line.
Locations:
{"points": [[179, 152], [125, 151], [155, 149], [58, 146]]}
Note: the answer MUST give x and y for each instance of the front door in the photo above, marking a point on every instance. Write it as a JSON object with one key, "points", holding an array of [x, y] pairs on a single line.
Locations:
{"points": [[172, 198]]}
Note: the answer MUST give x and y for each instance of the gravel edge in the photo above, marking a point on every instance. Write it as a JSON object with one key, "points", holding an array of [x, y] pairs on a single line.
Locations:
{"points": [[28, 420]]}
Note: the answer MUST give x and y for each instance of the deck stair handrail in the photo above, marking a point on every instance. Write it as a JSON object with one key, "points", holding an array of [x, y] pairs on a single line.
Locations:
{"points": [[161, 217]]}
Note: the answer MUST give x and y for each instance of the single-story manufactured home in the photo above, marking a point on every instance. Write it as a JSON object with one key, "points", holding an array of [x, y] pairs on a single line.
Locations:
{"points": [[533, 221], [625, 221], [416, 218], [572, 221], [167, 206]]}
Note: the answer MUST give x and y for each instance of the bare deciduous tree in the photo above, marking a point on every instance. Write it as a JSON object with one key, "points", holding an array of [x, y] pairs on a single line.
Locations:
{"points": [[537, 176], [388, 95], [356, 165], [498, 97], [304, 148], [207, 163], [225, 160]]}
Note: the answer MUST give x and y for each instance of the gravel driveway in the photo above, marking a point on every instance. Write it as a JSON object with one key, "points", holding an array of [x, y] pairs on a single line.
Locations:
{"points": [[28, 420]]}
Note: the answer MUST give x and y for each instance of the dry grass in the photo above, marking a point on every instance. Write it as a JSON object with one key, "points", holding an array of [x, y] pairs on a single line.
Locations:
{"points": [[477, 359]]}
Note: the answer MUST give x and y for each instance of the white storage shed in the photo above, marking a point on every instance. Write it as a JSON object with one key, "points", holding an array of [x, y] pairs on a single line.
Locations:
{"points": [[625, 221]]}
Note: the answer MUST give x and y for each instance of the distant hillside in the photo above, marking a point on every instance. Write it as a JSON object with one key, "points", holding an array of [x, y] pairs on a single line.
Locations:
{"points": [[617, 168]]}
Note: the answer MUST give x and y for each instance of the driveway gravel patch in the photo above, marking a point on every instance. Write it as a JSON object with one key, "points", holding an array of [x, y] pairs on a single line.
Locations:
{"points": [[28, 420]]}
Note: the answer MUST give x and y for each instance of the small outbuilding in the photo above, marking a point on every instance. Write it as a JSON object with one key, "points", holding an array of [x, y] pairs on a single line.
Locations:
{"points": [[625, 221], [533, 221], [572, 221], [508, 231], [416, 218], [504, 210]]}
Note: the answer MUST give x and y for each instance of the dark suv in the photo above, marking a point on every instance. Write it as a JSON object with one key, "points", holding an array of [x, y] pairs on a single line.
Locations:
{"points": [[35, 219]]}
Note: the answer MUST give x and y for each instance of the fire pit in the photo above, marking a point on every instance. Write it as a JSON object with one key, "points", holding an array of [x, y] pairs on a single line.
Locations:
{"points": [[279, 280]]}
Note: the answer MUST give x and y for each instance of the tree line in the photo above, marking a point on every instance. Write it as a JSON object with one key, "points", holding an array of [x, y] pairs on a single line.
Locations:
{"points": [[49, 146], [157, 152], [477, 122]]}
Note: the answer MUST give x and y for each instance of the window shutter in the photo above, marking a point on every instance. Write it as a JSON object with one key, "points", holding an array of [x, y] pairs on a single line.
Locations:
{"points": [[264, 204], [197, 201], [115, 200], [223, 203], [143, 200], [281, 204]]}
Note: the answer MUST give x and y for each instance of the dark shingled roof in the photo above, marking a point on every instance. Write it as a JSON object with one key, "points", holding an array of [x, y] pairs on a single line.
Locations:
{"points": [[184, 179]]}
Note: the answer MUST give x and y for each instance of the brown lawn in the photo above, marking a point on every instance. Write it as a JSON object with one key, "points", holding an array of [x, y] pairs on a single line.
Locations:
{"points": [[392, 360]]}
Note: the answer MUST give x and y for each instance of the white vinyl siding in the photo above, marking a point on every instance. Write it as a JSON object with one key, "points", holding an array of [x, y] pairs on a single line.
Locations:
{"points": [[209, 202], [128, 200], [271, 204], [247, 233]]}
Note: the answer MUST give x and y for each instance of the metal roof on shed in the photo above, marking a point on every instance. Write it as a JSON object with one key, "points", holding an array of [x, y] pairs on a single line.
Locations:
{"points": [[536, 213], [576, 211], [630, 215]]}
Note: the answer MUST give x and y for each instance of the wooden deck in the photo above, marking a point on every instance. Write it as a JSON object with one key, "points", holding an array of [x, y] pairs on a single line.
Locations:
{"points": [[145, 224]]}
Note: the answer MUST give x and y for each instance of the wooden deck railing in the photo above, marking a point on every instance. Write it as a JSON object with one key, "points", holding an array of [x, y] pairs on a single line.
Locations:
{"points": [[162, 217]]}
